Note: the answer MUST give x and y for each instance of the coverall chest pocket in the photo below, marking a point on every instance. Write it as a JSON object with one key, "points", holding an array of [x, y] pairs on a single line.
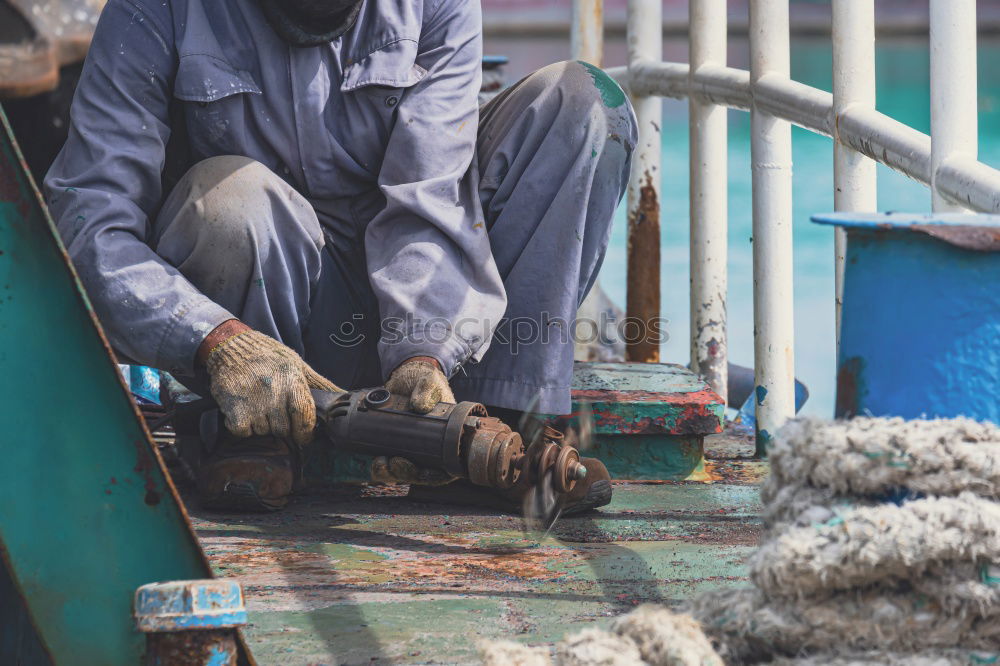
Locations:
{"points": [[381, 78], [215, 95]]}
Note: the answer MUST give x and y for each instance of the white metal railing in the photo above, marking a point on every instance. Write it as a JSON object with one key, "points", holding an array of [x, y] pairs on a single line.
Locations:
{"points": [[946, 161]]}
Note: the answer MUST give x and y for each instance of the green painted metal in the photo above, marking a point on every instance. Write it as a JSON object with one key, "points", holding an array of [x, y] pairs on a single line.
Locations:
{"points": [[649, 419], [362, 576], [652, 457], [646, 399], [87, 514]]}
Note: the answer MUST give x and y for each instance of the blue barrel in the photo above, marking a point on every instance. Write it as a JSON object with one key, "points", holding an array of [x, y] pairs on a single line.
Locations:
{"points": [[920, 327]]}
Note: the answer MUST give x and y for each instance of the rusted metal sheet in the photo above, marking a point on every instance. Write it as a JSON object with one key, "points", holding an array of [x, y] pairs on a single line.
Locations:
{"points": [[652, 457], [366, 576], [646, 399]]}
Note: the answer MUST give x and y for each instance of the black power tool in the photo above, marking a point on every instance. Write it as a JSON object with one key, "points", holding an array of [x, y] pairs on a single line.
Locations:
{"points": [[461, 439]]}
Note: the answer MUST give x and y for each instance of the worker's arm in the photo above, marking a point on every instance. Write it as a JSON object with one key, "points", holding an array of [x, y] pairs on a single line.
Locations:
{"points": [[105, 187], [428, 251]]}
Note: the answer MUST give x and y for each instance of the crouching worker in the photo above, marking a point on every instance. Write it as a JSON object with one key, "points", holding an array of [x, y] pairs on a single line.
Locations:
{"points": [[264, 197]]}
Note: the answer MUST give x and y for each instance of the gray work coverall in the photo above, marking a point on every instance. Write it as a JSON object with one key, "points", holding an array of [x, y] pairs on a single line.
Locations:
{"points": [[349, 199]]}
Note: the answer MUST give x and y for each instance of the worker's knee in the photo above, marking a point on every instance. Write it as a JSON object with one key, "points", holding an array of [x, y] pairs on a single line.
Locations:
{"points": [[588, 114], [232, 192], [231, 217], [236, 206], [586, 95]]}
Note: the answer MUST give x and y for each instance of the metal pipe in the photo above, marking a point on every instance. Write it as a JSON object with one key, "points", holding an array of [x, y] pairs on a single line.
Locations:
{"points": [[771, 160], [723, 85], [961, 179], [709, 203], [795, 102], [586, 40], [645, 45], [886, 141], [971, 183], [954, 106], [855, 186], [659, 79]]}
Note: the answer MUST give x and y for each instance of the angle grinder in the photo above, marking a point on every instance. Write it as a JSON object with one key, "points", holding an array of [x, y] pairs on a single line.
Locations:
{"points": [[462, 439]]}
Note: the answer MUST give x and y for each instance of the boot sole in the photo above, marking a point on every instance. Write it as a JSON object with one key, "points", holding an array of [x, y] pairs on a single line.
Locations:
{"points": [[242, 497], [598, 495]]}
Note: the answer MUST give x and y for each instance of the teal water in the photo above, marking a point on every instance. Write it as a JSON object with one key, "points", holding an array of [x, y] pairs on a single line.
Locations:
{"points": [[903, 93]]}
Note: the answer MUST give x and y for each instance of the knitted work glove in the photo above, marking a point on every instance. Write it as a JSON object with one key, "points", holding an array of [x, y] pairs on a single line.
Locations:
{"points": [[423, 381], [262, 387]]}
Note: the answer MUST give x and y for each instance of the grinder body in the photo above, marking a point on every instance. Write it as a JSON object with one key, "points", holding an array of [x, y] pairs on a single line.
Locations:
{"points": [[461, 439]]}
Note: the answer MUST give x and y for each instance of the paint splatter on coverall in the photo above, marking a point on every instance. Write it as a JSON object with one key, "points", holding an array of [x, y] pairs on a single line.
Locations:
{"points": [[348, 199]]}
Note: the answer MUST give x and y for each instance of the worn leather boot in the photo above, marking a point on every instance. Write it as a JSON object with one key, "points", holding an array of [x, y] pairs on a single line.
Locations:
{"points": [[589, 493], [592, 492], [250, 474]]}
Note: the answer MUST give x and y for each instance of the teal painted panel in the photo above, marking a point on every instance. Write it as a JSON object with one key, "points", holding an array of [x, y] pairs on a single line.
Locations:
{"points": [[646, 399], [87, 514], [651, 457]]}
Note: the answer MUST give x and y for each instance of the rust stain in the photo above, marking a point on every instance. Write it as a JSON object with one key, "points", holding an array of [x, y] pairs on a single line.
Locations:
{"points": [[967, 237], [192, 647], [144, 465], [398, 570], [672, 398], [513, 567], [643, 294], [849, 387], [692, 413], [712, 472]]}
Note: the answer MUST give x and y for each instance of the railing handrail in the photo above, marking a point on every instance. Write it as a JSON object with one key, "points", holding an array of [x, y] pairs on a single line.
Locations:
{"points": [[965, 181], [947, 161]]}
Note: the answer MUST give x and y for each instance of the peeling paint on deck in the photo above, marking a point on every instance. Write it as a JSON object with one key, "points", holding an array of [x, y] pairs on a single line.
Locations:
{"points": [[364, 575]]}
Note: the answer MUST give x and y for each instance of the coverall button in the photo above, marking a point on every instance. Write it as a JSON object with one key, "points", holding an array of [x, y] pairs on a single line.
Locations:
{"points": [[391, 101]]}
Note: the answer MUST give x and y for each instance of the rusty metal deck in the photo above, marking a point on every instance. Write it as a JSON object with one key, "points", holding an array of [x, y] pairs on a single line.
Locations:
{"points": [[366, 576]]}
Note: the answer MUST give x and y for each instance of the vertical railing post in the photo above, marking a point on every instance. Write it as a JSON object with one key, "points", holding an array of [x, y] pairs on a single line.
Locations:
{"points": [[855, 187], [709, 211], [586, 40], [771, 160], [954, 104], [645, 45]]}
